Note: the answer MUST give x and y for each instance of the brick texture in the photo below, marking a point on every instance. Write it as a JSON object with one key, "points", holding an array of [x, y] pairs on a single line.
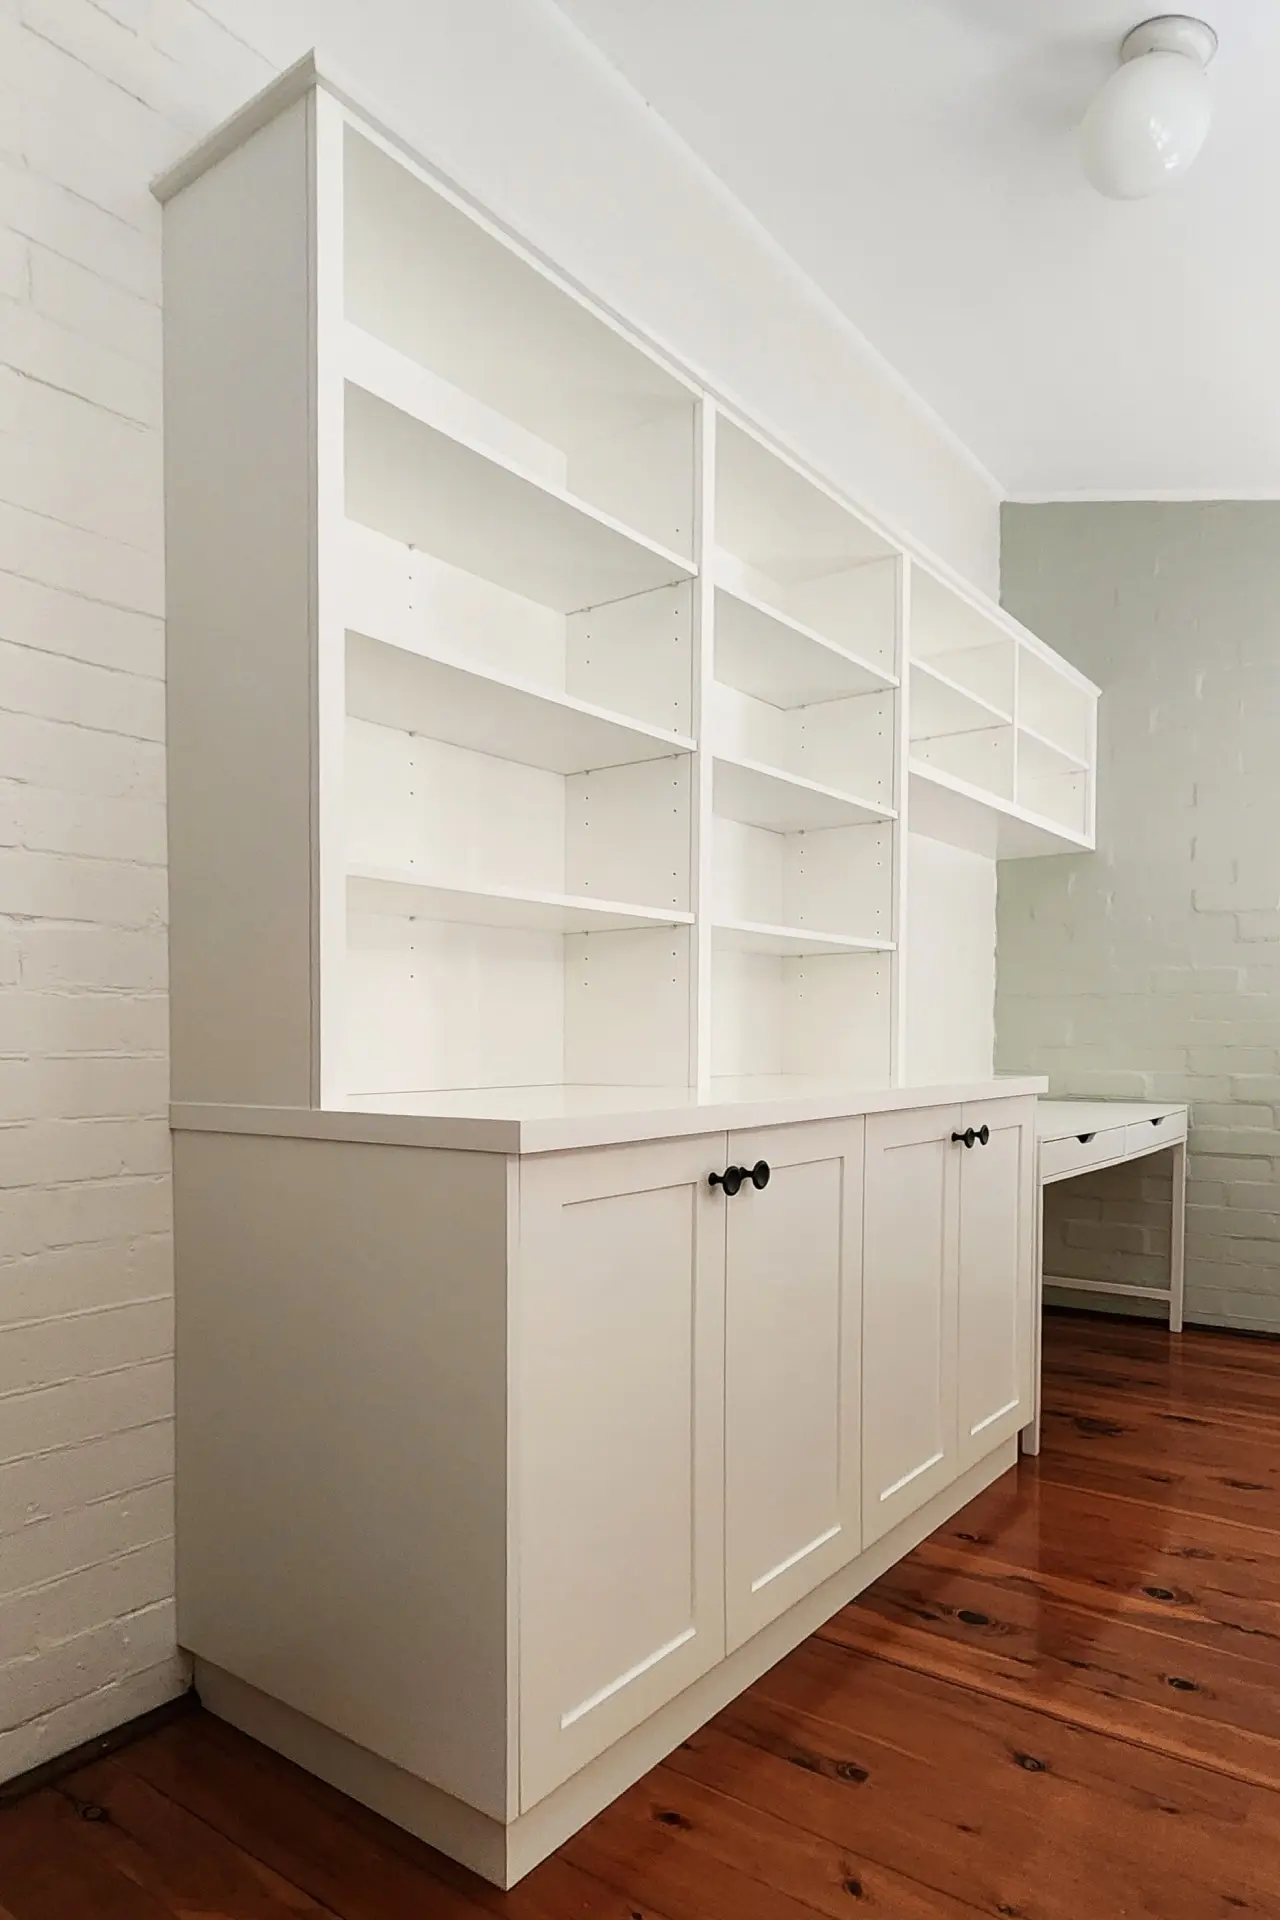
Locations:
{"points": [[96, 95], [1151, 969]]}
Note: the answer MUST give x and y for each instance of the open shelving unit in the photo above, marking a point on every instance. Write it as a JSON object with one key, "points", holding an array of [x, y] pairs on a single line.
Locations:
{"points": [[590, 729], [1002, 731]]}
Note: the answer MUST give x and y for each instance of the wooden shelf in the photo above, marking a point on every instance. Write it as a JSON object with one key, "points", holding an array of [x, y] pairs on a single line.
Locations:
{"points": [[496, 714], [764, 652], [942, 705], [749, 936], [394, 890], [761, 796], [425, 484], [943, 807]]}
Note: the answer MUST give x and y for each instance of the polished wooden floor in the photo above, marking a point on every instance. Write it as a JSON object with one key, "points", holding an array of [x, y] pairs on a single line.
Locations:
{"points": [[1065, 1706]]}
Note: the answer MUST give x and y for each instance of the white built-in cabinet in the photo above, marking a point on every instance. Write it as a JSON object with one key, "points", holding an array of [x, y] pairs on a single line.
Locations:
{"points": [[619, 1446], [515, 1506], [688, 1387], [574, 1304], [946, 1345], [792, 1368]]}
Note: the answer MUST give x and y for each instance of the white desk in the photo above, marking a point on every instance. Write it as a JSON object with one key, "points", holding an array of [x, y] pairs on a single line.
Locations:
{"points": [[1082, 1136]]}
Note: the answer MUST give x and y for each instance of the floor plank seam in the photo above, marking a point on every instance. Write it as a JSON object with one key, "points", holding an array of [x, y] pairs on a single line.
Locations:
{"points": [[1013, 1698]]}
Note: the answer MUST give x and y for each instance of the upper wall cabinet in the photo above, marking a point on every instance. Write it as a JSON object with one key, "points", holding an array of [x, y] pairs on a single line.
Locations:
{"points": [[1003, 731], [535, 721]]}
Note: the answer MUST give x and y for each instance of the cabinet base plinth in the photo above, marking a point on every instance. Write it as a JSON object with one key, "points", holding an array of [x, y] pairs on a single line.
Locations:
{"points": [[504, 1853]]}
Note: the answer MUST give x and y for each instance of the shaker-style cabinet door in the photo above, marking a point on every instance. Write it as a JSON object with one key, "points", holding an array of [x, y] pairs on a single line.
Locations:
{"points": [[997, 1229], [910, 1255], [792, 1379], [618, 1422]]}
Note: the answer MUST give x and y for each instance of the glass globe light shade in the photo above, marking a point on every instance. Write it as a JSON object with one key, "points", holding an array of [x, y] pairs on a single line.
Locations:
{"points": [[1146, 125]]}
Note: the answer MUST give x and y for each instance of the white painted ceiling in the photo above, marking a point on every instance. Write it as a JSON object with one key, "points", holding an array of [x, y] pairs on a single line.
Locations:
{"points": [[917, 158]]}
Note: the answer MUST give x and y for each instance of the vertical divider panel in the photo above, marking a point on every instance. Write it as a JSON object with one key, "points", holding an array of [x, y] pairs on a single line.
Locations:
{"points": [[1016, 776], [702, 901], [1091, 797], [330, 563], [900, 826]]}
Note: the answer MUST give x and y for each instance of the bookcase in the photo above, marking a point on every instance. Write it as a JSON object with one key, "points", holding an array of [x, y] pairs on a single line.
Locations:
{"points": [[538, 723], [575, 1302]]}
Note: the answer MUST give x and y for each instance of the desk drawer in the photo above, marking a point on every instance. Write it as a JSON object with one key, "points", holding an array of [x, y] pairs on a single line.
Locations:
{"points": [[1144, 1136], [1072, 1155]]}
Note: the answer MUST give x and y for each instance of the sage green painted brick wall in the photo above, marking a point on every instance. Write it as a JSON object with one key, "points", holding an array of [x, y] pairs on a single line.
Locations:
{"points": [[1151, 969]]}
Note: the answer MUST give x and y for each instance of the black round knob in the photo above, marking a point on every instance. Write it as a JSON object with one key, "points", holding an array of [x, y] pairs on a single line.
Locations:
{"points": [[965, 1139], [731, 1180], [984, 1134], [760, 1174]]}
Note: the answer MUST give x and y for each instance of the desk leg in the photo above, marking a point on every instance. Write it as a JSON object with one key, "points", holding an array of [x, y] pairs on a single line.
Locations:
{"points": [[1030, 1434], [1178, 1238]]}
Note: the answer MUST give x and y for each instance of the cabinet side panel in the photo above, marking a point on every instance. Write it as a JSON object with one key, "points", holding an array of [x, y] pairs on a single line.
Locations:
{"points": [[239, 514], [342, 1432]]}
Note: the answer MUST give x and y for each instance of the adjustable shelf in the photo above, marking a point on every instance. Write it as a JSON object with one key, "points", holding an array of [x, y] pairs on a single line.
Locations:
{"points": [[388, 890], [767, 797], [745, 936], [941, 704], [762, 652], [944, 807], [494, 714], [410, 479]]}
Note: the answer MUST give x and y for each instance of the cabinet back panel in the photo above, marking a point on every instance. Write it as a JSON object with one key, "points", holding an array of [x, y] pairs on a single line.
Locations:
{"points": [[439, 1004], [748, 866], [454, 816], [840, 880], [635, 656], [944, 621], [835, 880], [846, 744], [984, 758], [777, 520], [986, 671], [628, 833], [642, 474], [1051, 704], [401, 594], [1062, 797], [857, 608], [432, 282], [747, 1014], [838, 1012], [826, 1015], [626, 1008]]}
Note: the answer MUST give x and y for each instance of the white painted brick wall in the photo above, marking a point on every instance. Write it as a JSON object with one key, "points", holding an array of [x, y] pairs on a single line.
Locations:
{"points": [[1152, 969], [96, 95]]}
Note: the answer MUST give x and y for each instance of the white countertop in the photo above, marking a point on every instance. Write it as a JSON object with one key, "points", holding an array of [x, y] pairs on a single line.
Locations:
{"points": [[1065, 1119], [555, 1119]]}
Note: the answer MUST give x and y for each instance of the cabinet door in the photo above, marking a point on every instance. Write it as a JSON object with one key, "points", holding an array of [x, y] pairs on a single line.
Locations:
{"points": [[995, 1275], [619, 1428], [792, 1333], [910, 1248]]}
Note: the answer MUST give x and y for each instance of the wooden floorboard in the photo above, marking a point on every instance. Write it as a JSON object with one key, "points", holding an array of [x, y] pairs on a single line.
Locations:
{"points": [[1064, 1706]]}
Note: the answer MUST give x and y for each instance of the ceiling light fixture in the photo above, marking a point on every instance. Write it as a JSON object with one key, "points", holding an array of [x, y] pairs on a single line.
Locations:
{"points": [[1149, 121]]}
